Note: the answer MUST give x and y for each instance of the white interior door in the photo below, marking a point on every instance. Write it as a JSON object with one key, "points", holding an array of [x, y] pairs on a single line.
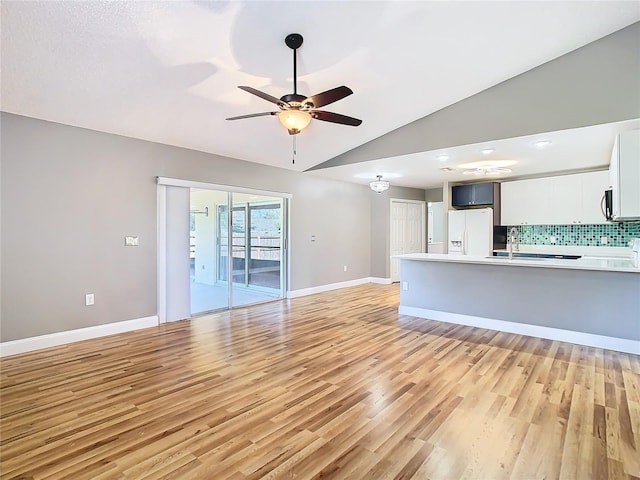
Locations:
{"points": [[407, 233], [414, 236]]}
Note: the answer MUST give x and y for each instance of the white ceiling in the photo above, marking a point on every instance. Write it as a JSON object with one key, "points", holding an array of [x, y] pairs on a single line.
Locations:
{"points": [[168, 71]]}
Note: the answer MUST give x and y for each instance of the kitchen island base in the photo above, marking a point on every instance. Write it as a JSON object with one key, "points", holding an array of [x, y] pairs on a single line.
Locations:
{"points": [[587, 307]]}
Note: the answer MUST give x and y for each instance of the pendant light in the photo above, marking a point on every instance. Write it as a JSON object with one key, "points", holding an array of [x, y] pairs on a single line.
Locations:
{"points": [[379, 185]]}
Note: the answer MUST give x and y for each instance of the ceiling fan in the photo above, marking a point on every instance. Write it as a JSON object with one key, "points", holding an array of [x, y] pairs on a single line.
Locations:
{"points": [[296, 111]]}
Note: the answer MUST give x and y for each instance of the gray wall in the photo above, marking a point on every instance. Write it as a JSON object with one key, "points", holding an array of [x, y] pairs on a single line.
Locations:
{"points": [[438, 211], [70, 195], [381, 227], [592, 85], [433, 195]]}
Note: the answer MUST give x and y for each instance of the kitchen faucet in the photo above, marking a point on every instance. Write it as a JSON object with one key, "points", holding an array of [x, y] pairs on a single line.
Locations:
{"points": [[513, 237]]}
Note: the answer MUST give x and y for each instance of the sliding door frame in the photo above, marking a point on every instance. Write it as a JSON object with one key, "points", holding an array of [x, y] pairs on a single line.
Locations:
{"points": [[163, 182]]}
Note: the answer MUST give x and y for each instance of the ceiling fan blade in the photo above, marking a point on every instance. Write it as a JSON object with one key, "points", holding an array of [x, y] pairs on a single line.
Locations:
{"points": [[330, 96], [335, 118], [251, 115], [265, 96]]}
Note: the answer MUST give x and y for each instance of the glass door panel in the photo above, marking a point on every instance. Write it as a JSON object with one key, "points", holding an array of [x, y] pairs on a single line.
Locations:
{"points": [[207, 248], [265, 253], [239, 244], [222, 243], [257, 265]]}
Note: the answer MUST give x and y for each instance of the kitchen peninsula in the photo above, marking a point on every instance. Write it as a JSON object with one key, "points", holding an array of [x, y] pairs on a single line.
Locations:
{"points": [[591, 301]]}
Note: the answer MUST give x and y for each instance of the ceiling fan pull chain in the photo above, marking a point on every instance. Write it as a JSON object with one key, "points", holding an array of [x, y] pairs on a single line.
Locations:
{"points": [[294, 150]]}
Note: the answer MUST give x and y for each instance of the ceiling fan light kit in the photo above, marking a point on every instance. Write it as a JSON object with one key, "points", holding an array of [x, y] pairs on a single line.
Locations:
{"points": [[294, 120], [379, 185], [487, 171], [296, 111]]}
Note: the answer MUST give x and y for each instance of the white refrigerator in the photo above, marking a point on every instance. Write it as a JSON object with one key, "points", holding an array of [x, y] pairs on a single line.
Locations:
{"points": [[471, 232]]}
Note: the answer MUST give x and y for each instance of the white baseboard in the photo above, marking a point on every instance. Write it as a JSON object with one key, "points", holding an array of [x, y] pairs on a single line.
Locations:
{"points": [[580, 338], [30, 344], [335, 286], [326, 288]]}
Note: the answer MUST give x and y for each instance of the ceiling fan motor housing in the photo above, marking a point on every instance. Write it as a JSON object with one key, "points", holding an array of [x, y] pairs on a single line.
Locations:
{"points": [[293, 97], [293, 40]]}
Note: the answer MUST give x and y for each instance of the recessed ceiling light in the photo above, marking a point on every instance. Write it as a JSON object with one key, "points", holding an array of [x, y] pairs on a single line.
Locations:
{"points": [[443, 158], [487, 151], [542, 143]]}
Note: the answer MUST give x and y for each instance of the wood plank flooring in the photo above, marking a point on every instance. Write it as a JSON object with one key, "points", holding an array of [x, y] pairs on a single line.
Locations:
{"points": [[335, 385]]}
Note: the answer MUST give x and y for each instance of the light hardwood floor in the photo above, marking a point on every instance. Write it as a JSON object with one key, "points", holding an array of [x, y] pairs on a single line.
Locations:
{"points": [[335, 385]]}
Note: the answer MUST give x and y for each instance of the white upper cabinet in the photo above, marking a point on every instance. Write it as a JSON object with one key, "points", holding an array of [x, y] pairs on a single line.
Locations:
{"points": [[526, 202], [561, 200], [566, 193], [593, 186], [625, 176], [510, 205]]}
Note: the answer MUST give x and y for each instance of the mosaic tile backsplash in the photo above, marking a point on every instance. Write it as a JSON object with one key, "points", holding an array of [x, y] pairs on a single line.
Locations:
{"points": [[618, 234]]}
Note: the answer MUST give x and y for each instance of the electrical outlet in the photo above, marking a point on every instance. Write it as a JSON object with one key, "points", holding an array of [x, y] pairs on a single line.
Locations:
{"points": [[89, 299], [552, 239], [603, 240], [405, 285], [345, 268]]}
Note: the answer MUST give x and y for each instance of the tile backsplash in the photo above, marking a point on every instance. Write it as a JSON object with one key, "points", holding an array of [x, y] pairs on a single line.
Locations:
{"points": [[618, 234]]}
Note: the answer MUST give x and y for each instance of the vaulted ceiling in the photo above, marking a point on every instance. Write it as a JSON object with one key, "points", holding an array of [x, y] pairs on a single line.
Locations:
{"points": [[168, 71]]}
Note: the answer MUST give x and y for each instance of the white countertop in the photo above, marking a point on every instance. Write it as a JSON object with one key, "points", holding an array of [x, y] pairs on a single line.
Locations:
{"points": [[609, 264]]}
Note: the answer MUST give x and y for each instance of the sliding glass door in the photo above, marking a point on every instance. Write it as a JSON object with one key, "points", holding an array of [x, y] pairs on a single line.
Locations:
{"points": [[248, 245]]}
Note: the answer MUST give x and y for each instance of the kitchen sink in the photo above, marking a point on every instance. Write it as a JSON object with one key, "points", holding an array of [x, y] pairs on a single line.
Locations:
{"points": [[503, 257], [537, 255]]}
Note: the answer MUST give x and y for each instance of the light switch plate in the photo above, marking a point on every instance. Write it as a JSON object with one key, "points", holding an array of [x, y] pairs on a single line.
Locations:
{"points": [[131, 241], [89, 299]]}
